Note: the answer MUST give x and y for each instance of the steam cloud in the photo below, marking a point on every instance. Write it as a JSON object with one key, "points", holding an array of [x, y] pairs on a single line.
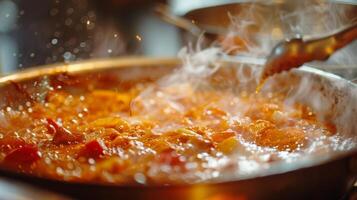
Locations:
{"points": [[258, 28]]}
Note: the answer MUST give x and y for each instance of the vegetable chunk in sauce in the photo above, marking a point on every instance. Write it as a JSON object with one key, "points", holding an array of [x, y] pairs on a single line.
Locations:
{"points": [[116, 136]]}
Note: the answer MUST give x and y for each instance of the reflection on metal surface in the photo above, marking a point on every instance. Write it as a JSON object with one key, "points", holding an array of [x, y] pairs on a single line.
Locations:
{"points": [[89, 65], [19, 191], [180, 7]]}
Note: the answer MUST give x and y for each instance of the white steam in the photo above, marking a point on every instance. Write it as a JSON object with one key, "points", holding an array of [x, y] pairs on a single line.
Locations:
{"points": [[164, 97], [259, 29]]}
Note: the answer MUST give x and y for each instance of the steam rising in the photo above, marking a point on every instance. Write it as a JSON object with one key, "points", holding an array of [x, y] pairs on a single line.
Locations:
{"points": [[198, 64], [257, 29], [261, 26]]}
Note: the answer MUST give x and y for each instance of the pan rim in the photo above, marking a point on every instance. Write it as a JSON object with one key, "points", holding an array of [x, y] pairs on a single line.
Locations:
{"points": [[94, 65]]}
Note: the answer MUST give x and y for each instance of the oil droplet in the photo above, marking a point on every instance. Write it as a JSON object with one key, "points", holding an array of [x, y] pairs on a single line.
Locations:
{"points": [[54, 41], [138, 37], [67, 55]]}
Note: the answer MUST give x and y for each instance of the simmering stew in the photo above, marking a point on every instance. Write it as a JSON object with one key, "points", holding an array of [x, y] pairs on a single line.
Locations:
{"points": [[160, 135]]}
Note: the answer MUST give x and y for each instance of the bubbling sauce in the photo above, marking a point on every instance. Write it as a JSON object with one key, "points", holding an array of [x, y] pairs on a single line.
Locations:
{"points": [[166, 137]]}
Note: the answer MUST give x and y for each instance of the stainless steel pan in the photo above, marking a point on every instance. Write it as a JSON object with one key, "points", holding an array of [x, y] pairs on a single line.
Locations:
{"points": [[327, 176]]}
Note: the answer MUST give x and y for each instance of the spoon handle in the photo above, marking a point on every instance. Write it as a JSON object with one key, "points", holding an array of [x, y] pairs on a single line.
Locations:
{"points": [[294, 53], [321, 49]]}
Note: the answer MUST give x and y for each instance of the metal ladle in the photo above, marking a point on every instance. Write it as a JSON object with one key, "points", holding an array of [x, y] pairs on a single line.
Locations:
{"points": [[295, 52], [285, 55]]}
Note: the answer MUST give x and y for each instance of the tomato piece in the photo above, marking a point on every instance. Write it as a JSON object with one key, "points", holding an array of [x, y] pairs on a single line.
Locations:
{"points": [[61, 134], [52, 126], [170, 157], [10, 143], [93, 149], [23, 155]]}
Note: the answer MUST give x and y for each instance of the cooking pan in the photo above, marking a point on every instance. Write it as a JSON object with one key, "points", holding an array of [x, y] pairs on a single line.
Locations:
{"points": [[321, 176]]}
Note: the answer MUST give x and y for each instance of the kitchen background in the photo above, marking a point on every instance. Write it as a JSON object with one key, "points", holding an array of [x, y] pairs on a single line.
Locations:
{"points": [[41, 32]]}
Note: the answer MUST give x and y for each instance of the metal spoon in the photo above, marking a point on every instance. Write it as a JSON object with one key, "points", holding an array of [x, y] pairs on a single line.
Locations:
{"points": [[284, 56], [295, 52]]}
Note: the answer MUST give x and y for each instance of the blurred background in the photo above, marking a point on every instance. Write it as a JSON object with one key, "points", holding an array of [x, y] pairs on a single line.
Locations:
{"points": [[41, 32]]}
